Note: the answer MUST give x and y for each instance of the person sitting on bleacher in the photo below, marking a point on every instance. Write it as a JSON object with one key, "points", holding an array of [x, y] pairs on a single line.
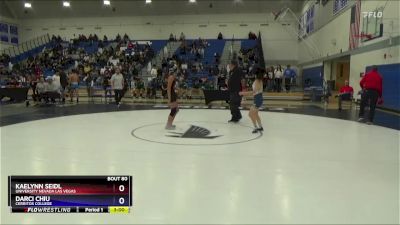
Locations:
{"points": [[139, 89], [41, 89], [52, 92], [164, 88], [151, 88], [345, 93]]}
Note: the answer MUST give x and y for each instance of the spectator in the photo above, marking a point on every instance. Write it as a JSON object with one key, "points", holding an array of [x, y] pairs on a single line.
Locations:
{"points": [[171, 37], [89, 84], [52, 91], [154, 72], [107, 86], [117, 84], [63, 83], [126, 38], [290, 75], [56, 82], [220, 37], [118, 38], [130, 45], [74, 84], [182, 87], [278, 78], [151, 88], [164, 88], [33, 83], [252, 36], [182, 37], [41, 88], [270, 78], [371, 85], [345, 93], [139, 88], [217, 58]]}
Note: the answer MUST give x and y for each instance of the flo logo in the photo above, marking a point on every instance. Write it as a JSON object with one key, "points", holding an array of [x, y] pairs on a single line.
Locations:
{"points": [[194, 132], [375, 14]]}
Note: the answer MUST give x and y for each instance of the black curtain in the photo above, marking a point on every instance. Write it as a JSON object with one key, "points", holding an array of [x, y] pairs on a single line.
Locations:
{"points": [[260, 51]]}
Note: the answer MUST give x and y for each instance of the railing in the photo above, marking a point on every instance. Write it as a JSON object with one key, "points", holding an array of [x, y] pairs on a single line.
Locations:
{"points": [[27, 46]]}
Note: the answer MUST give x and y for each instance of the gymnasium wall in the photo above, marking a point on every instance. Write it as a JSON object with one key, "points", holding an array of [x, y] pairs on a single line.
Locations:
{"points": [[278, 43], [391, 81], [360, 62], [388, 55], [314, 73], [323, 14], [333, 37], [330, 39]]}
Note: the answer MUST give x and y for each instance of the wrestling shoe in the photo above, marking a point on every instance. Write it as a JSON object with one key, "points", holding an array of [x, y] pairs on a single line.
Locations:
{"points": [[173, 127]]}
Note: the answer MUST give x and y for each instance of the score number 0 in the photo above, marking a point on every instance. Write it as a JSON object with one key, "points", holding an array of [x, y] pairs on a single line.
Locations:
{"points": [[121, 188]]}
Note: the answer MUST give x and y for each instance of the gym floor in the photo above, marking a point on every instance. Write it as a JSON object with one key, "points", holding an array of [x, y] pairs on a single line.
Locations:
{"points": [[303, 169]]}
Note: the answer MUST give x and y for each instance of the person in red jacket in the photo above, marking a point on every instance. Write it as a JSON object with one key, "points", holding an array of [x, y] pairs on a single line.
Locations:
{"points": [[345, 93], [371, 85]]}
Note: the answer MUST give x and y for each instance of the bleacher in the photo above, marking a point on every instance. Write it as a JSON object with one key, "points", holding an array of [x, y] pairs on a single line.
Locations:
{"points": [[248, 44], [208, 61], [30, 53], [90, 47], [216, 46], [158, 45]]}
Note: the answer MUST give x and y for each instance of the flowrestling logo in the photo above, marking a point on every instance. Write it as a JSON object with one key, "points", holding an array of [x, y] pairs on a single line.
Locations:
{"points": [[374, 14], [196, 133]]}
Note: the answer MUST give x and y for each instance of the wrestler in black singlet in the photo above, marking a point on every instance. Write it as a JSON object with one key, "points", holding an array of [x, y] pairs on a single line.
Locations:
{"points": [[173, 93]]}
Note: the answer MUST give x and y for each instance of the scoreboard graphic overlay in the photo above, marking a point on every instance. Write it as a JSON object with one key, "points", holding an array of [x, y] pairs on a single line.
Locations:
{"points": [[70, 194]]}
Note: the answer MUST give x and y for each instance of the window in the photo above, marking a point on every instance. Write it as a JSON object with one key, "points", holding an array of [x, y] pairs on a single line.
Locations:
{"points": [[8, 33], [306, 25], [338, 5]]}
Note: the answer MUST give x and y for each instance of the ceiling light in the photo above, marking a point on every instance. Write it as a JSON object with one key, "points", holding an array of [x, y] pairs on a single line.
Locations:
{"points": [[66, 4], [148, 1], [28, 5], [192, 1], [106, 2]]}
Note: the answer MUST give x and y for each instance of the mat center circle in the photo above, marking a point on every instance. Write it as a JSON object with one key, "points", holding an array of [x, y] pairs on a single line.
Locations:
{"points": [[196, 133]]}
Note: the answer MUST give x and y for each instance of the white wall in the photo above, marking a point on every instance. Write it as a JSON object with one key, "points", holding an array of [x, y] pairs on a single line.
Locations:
{"points": [[360, 61], [278, 43], [328, 70], [337, 30]]}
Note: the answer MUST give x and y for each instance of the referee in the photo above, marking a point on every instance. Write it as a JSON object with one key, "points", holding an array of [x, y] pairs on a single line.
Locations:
{"points": [[234, 87]]}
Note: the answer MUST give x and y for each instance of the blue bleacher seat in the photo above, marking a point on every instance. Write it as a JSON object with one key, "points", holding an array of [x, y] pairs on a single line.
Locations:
{"points": [[248, 44]]}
